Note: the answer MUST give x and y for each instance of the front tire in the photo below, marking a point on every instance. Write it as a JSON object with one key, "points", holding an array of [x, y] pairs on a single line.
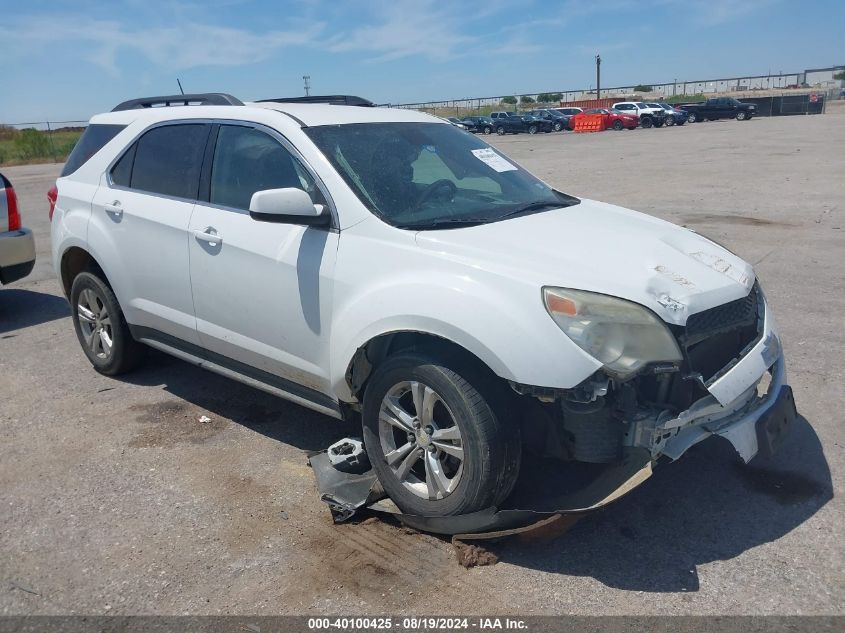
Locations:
{"points": [[488, 129], [646, 122], [532, 129], [692, 118], [670, 121], [618, 125], [438, 444], [741, 116], [101, 327]]}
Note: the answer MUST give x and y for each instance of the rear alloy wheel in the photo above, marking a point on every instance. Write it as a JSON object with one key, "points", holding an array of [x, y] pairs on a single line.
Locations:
{"points": [[741, 116], [101, 328], [670, 121], [500, 131], [438, 446], [618, 125], [532, 129], [558, 127]]}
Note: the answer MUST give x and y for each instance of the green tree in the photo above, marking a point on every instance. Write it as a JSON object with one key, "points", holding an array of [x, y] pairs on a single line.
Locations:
{"points": [[526, 100], [643, 88], [509, 100], [840, 76]]}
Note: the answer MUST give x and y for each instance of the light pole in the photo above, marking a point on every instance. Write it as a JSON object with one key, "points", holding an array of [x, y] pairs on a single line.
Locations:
{"points": [[598, 76], [307, 81]]}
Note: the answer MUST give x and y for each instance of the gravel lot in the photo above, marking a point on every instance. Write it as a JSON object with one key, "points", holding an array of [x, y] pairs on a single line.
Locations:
{"points": [[117, 499]]}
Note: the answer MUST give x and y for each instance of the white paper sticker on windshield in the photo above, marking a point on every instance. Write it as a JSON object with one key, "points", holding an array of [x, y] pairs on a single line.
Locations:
{"points": [[491, 158]]}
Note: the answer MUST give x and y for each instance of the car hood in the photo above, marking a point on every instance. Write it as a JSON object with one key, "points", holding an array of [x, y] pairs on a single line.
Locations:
{"points": [[607, 249]]}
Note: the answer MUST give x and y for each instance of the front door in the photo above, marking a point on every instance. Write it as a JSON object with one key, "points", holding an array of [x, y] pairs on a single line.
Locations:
{"points": [[261, 290]]}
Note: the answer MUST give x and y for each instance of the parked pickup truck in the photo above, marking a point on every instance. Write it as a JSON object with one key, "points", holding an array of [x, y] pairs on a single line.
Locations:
{"points": [[720, 108]]}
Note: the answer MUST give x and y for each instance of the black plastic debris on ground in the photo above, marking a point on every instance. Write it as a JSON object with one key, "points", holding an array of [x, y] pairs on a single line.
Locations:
{"points": [[546, 487]]}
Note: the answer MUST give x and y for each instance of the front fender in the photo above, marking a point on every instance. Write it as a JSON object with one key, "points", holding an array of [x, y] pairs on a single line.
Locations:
{"points": [[504, 325]]}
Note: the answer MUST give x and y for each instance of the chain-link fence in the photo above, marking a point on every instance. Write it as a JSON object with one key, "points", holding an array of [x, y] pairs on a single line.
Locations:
{"points": [[38, 141]]}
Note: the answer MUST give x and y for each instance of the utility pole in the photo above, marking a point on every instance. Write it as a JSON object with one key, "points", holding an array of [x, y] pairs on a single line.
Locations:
{"points": [[307, 80], [598, 76], [180, 86]]}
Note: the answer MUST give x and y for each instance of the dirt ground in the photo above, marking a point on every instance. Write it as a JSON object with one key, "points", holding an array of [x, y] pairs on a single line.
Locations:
{"points": [[117, 499]]}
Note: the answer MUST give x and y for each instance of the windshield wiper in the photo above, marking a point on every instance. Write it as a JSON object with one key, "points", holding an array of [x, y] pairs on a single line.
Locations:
{"points": [[533, 206], [450, 222]]}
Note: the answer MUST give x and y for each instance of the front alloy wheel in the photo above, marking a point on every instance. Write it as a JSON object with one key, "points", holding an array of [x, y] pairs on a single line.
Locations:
{"points": [[740, 116], [440, 442], [532, 129], [421, 441]]}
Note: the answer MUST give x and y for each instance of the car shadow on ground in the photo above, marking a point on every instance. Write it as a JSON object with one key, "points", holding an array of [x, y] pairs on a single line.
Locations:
{"points": [[262, 412], [20, 308], [707, 506]]}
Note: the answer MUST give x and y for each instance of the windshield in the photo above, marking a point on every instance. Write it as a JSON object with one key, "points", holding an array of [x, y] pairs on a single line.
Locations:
{"points": [[425, 175]]}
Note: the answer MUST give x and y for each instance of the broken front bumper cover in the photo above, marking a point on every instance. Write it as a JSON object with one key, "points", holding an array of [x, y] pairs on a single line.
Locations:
{"points": [[536, 498]]}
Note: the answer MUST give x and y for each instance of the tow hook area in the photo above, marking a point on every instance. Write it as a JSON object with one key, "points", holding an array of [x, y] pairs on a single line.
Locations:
{"points": [[350, 486]]}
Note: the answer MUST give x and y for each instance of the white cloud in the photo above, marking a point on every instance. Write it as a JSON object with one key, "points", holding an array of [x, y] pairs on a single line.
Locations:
{"points": [[176, 48], [409, 28]]}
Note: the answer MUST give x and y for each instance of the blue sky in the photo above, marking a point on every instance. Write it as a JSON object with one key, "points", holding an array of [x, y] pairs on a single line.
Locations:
{"points": [[64, 59]]}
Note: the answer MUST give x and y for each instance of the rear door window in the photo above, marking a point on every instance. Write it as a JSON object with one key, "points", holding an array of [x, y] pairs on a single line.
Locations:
{"points": [[93, 139], [168, 160]]}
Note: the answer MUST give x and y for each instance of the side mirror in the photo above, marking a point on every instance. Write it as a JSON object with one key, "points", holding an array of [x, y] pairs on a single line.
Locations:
{"points": [[287, 206]]}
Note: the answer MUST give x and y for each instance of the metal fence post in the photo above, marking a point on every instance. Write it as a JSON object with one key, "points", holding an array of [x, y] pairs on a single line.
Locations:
{"points": [[52, 145]]}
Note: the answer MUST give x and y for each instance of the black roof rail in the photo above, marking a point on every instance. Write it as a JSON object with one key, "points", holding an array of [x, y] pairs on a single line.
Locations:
{"points": [[208, 98], [349, 100]]}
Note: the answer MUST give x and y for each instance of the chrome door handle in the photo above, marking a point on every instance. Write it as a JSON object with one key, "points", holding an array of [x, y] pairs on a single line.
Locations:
{"points": [[208, 235], [113, 209]]}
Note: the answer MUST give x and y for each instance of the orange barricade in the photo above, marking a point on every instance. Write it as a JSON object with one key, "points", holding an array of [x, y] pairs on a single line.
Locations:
{"points": [[590, 123]]}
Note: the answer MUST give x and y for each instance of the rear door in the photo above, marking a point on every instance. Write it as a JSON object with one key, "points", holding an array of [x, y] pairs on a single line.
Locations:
{"points": [[139, 227], [262, 290]]}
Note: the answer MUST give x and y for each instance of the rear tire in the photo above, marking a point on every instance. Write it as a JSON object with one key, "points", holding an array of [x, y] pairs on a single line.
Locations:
{"points": [[480, 463], [670, 121], [500, 131], [101, 327]]}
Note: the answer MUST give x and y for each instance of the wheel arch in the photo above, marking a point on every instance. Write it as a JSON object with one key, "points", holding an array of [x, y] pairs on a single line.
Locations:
{"points": [[75, 260], [382, 346]]}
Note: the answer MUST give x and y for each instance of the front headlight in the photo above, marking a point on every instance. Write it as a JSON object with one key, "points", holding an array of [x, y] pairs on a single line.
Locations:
{"points": [[620, 334]]}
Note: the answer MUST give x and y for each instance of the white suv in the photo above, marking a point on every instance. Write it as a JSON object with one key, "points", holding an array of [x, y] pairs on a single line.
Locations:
{"points": [[380, 265]]}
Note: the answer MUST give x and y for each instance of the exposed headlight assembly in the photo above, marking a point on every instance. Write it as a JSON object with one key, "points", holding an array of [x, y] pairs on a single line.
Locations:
{"points": [[622, 335]]}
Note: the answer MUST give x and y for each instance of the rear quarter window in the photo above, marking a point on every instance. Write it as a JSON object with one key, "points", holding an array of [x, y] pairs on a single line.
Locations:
{"points": [[93, 139]]}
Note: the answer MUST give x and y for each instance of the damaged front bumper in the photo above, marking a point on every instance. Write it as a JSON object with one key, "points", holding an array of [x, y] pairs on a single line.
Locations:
{"points": [[735, 409]]}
